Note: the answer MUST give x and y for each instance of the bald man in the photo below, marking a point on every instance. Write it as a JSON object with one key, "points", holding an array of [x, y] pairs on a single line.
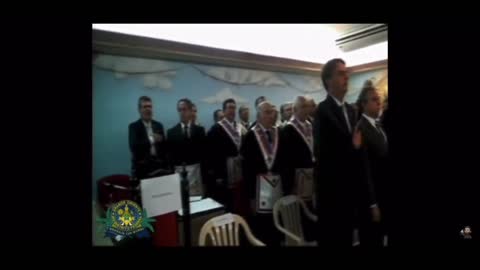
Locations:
{"points": [[263, 171]]}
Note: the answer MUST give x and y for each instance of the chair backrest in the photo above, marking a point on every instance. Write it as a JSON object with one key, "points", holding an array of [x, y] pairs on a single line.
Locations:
{"points": [[287, 213], [224, 230]]}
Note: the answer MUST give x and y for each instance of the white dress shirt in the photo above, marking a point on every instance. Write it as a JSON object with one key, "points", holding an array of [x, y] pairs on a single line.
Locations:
{"points": [[189, 126], [148, 127], [344, 108]]}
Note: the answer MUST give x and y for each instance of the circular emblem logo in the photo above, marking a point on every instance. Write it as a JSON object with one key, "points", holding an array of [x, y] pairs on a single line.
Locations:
{"points": [[126, 218]]}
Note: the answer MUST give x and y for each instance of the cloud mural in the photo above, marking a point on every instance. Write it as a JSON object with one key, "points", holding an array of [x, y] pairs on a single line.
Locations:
{"points": [[307, 85], [224, 94], [155, 73], [238, 76]]}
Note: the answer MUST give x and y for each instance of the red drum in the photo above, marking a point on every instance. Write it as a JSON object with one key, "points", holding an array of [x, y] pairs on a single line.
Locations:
{"points": [[115, 188]]}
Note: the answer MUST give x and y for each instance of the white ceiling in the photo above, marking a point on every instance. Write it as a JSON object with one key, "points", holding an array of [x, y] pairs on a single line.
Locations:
{"points": [[307, 42]]}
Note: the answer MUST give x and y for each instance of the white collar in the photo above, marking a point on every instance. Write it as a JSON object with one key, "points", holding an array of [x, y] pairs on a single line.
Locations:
{"points": [[339, 103], [147, 124], [370, 119], [264, 129], [231, 123], [183, 125], [304, 123]]}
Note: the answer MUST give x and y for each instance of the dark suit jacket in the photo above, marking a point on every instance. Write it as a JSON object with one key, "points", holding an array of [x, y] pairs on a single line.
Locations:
{"points": [[340, 182], [189, 150], [376, 154], [254, 164], [220, 147], [140, 145], [299, 153]]}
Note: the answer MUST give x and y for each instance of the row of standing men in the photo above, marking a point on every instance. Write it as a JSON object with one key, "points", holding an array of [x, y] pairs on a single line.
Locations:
{"points": [[334, 161]]}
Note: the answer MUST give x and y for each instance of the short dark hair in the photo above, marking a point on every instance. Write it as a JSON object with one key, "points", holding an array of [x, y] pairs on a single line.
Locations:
{"points": [[193, 105], [215, 114], [242, 108], [230, 100], [328, 69], [282, 107], [186, 101], [259, 100], [143, 99]]}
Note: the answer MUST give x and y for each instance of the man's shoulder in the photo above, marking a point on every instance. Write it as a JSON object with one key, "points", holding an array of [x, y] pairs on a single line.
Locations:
{"points": [[287, 128], [157, 123], [199, 129], [173, 129], [135, 124], [214, 129], [363, 123]]}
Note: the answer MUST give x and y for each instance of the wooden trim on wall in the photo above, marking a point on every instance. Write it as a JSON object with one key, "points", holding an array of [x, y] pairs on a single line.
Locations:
{"points": [[369, 66], [135, 46]]}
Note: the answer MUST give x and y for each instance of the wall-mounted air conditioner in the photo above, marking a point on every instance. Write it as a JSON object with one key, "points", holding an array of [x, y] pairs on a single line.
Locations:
{"points": [[364, 37]]}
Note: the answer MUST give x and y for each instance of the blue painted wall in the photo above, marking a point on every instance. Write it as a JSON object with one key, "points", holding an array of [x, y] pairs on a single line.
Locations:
{"points": [[118, 82]]}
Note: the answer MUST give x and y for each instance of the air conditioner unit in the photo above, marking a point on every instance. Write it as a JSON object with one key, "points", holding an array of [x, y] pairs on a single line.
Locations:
{"points": [[364, 37]]}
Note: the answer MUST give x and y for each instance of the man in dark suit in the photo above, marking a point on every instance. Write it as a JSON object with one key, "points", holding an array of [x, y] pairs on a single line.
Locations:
{"points": [[375, 146], [286, 112], [217, 115], [146, 139], [244, 115], [224, 140], [186, 142], [195, 115], [298, 142], [264, 157], [259, 100], [341, 192]]}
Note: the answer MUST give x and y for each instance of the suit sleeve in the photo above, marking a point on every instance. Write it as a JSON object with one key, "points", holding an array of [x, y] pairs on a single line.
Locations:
{"points": [[248, 165], [213, 154], [365, 170], [136, 145], [288, 170], [162, 150]]}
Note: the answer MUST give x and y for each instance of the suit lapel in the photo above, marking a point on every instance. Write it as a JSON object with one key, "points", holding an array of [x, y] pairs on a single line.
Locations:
{"points": [[143, 130], [337, 116], [378, 138]]}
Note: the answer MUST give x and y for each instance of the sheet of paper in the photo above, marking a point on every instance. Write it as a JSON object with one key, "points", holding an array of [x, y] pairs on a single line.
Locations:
{"points": [[202, 206], [161, 195]]}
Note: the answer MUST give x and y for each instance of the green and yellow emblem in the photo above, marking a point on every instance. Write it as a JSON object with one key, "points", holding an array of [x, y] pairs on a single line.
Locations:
{"points": [[126, 218]]}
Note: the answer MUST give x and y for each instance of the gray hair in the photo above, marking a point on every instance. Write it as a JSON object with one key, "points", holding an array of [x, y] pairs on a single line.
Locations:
{"points": [[298, 100], [261, 106]]}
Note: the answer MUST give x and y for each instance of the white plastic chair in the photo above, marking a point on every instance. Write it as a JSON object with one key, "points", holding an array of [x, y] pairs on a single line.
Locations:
{"points": [[224, 231], [288, 210]]}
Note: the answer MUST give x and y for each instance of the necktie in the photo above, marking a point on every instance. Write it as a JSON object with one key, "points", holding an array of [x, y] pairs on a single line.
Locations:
{"points": [[347, 121], [269, 136], [378, 125], [185, 130]]}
